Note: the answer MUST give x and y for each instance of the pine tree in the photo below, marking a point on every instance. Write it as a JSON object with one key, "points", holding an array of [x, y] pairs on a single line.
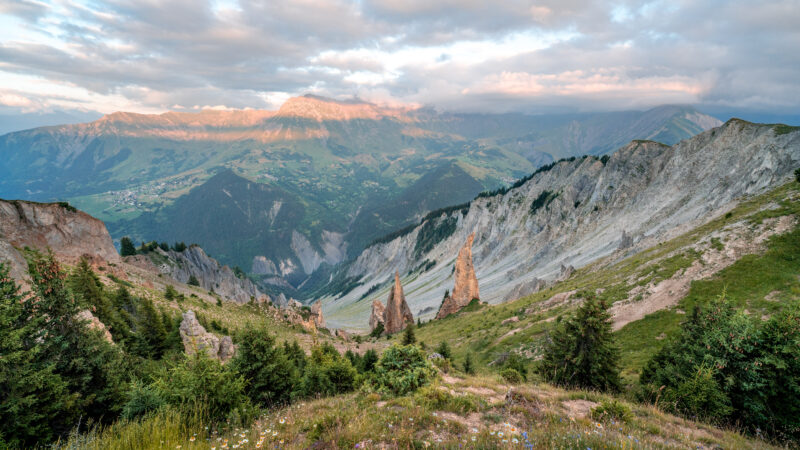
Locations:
{"points": [[126, 247], [92, 368], [150, 332], [271, 376], [444, 350], [86, 286], [469, 366], [409, 338], [581, 352], [193, 281], [32, 395]]}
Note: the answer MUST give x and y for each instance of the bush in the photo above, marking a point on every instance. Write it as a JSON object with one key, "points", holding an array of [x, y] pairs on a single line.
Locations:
{"points": [[516, 362], [327, 373], [612, 410], [511, 375], [202, 382], [409, 338], [797, 175], [724, 366], [378, 331], [402, 369], [193, 281]]}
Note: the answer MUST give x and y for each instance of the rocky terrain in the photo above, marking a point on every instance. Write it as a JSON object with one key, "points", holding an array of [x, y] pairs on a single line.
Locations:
{"points": [[70, 234], [578, 211]]}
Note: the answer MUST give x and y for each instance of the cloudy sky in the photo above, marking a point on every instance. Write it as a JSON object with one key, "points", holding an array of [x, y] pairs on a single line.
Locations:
{"points": [[515, 55]]}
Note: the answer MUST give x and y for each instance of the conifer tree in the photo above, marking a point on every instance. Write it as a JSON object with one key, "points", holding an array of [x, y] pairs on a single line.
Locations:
{"points": [[271, 376], [126, 247], [409, 338], [581, 352], [86, 286], [32, 395], [469, 366], [444, 350]]}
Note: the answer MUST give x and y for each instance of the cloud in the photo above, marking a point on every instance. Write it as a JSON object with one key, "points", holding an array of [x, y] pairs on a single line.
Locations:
{"points": [[150, 55]]}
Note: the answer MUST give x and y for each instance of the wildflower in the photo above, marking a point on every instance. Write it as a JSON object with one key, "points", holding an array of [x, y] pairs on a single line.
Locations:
{"points": [[474, 438], [191, 439], [282, 421]]}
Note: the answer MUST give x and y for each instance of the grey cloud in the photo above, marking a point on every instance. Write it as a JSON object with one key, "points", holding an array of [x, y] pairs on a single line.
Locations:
{"points": [[186, 52]]}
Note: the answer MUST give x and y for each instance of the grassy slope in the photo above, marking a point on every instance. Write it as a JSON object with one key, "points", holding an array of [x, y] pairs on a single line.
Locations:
{"points": [[472, 412], [747, 282]]}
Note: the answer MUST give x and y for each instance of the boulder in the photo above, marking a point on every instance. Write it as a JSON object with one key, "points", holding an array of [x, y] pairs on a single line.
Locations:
{"points": [[397, 313], [466, 283], [196, 339]]}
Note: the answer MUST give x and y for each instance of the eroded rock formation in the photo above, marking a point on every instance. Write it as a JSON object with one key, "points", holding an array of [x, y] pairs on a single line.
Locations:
{"points": [[316, 314], [376, 317], [466, 283], [196, 339], [397, 313]]}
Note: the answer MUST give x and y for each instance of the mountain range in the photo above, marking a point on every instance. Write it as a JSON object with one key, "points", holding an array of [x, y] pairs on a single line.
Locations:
{"points": [[288, 194]]}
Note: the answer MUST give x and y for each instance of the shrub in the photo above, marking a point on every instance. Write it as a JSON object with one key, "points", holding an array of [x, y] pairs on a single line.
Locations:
{"points": [[797, 175], [193, 281], [378, 331], [516, 362], [327, 373], [202, 382], [511, 375], [402, 369], [170, 293], [612, 410]]}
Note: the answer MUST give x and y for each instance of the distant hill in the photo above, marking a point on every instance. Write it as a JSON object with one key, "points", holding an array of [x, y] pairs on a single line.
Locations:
{"points": [[353, 170]]}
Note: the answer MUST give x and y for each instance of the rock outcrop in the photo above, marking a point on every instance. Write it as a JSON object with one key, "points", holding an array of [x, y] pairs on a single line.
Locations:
{"points": [[70, 234], [466, 284], [196, 339], [316, 314], [376, 316], [397, 314], [211, 275], [525, 288]]}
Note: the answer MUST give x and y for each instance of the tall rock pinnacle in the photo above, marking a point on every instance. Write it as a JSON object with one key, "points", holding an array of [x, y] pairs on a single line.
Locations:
{"points": [[466, 285], [376, 318], [397, 313]]}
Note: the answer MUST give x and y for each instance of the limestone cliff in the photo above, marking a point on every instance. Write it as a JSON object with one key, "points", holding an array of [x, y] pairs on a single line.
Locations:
{"points": [[397, 313], [466, 284], [576, 211], [70, 234], [210, 274]]}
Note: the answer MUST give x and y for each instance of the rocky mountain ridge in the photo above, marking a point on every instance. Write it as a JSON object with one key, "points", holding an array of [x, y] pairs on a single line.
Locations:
{"points": [[578, 211]]}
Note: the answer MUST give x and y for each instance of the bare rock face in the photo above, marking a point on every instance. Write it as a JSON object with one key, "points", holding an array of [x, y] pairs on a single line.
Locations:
{"points": [[376, 318], [316, 314], [196, 339], [466, 285], [397, 313], [95, 324], [212, 276], [565, 272], [69, 233], [526, 288]]}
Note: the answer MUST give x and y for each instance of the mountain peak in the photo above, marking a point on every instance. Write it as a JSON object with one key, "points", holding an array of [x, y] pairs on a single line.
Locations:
{"points": [[318, 108]]}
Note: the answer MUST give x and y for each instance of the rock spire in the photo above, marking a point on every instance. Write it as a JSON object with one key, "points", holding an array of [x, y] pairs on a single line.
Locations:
{"points": [[466, 283], [396, 314]]}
